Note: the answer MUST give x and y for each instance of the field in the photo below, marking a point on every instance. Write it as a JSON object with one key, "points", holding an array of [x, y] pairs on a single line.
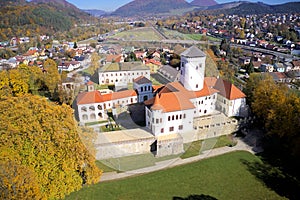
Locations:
{"points": [[145, 33], [229, 176]]}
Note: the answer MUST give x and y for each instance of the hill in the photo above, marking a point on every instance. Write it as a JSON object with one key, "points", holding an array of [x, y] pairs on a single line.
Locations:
{"points": [[150, 7], [247, 8], [203, 3], [22, 18], [62, 3]]}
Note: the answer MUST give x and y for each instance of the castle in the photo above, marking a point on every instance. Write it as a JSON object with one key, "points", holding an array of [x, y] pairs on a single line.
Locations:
{"points": [[172, 112]]}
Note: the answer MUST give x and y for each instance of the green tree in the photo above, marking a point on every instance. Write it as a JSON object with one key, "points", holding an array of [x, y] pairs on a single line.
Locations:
{"points": [[49, 150]]}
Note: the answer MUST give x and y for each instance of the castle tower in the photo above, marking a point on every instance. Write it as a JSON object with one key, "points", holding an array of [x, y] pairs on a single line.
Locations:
{"points": [[192, 69], [143, 86]]}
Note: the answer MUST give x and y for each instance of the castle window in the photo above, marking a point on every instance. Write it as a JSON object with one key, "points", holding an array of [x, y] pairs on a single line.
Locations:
{"points": [[169, 118], [171, 128], [99, 107], [176, 117], [180, 116], [83, 109], [184, 116], [173, 117], [160, 120], [92, 108], [157, 121], [162, 130], [100, 115], [93, 116], [196, 85], [205, 111], [180, 127], [84, 117]]}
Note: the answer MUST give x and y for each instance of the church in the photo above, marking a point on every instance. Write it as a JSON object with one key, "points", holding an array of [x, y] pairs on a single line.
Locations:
{"points": [[173, 110]]}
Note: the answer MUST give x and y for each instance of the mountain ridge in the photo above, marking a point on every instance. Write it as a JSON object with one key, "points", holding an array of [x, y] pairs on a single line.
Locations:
{"points": [[142, 7]]}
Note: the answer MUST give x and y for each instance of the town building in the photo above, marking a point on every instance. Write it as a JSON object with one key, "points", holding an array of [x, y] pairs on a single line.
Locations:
{"points": [[122, 73]]}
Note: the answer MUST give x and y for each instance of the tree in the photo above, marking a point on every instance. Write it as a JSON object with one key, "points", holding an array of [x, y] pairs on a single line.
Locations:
{"points": [[249, 67], [95, 58], [49, 151], [16, 181], [75, 45], [278, 109], [51, 77]]}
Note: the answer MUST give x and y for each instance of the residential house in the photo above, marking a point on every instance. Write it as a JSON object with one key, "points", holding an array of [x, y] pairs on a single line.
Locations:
{"points": [[244, 60], [288, 66], [296, 64], [279, 67], [114, 58], [280, 77], [154, 65], [68, 66], [266, 68]]}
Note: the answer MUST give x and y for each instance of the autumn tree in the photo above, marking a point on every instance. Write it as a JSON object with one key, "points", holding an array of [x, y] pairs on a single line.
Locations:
{"points": [[49, 151], [16, 181], [51, 77], [95, 62], [278, 109]]}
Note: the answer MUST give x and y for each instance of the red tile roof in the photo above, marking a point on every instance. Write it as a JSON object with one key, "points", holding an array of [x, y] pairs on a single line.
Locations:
{"points": [[174, 97], [113, 58], [228, 90], [97, 97]]}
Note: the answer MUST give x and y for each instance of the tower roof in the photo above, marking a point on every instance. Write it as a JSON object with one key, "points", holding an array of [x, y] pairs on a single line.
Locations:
{"points": [[141, 80], [193, 52]]}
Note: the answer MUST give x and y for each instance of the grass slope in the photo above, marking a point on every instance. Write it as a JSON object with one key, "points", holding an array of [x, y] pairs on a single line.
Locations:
{"points": [[222, 177]]}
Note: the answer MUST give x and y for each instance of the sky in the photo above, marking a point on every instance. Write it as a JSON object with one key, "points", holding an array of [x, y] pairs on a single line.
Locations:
{"points": [[111, 5]]}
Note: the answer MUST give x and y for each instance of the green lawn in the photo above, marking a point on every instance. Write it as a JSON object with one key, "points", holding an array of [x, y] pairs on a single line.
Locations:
{"points": [[145, 33], [223, 177], [195, 148]]}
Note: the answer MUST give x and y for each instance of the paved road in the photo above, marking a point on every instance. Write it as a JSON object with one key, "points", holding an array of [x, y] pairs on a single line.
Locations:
{"points": [[248, 143]]}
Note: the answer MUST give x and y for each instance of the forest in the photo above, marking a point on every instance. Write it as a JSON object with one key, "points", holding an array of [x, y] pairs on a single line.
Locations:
{"points": [[19, 19]]}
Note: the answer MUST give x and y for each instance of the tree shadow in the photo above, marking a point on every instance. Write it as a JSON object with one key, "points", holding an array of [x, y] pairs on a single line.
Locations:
{"points": [[95, 77], [196, 197], [277, 178]]}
